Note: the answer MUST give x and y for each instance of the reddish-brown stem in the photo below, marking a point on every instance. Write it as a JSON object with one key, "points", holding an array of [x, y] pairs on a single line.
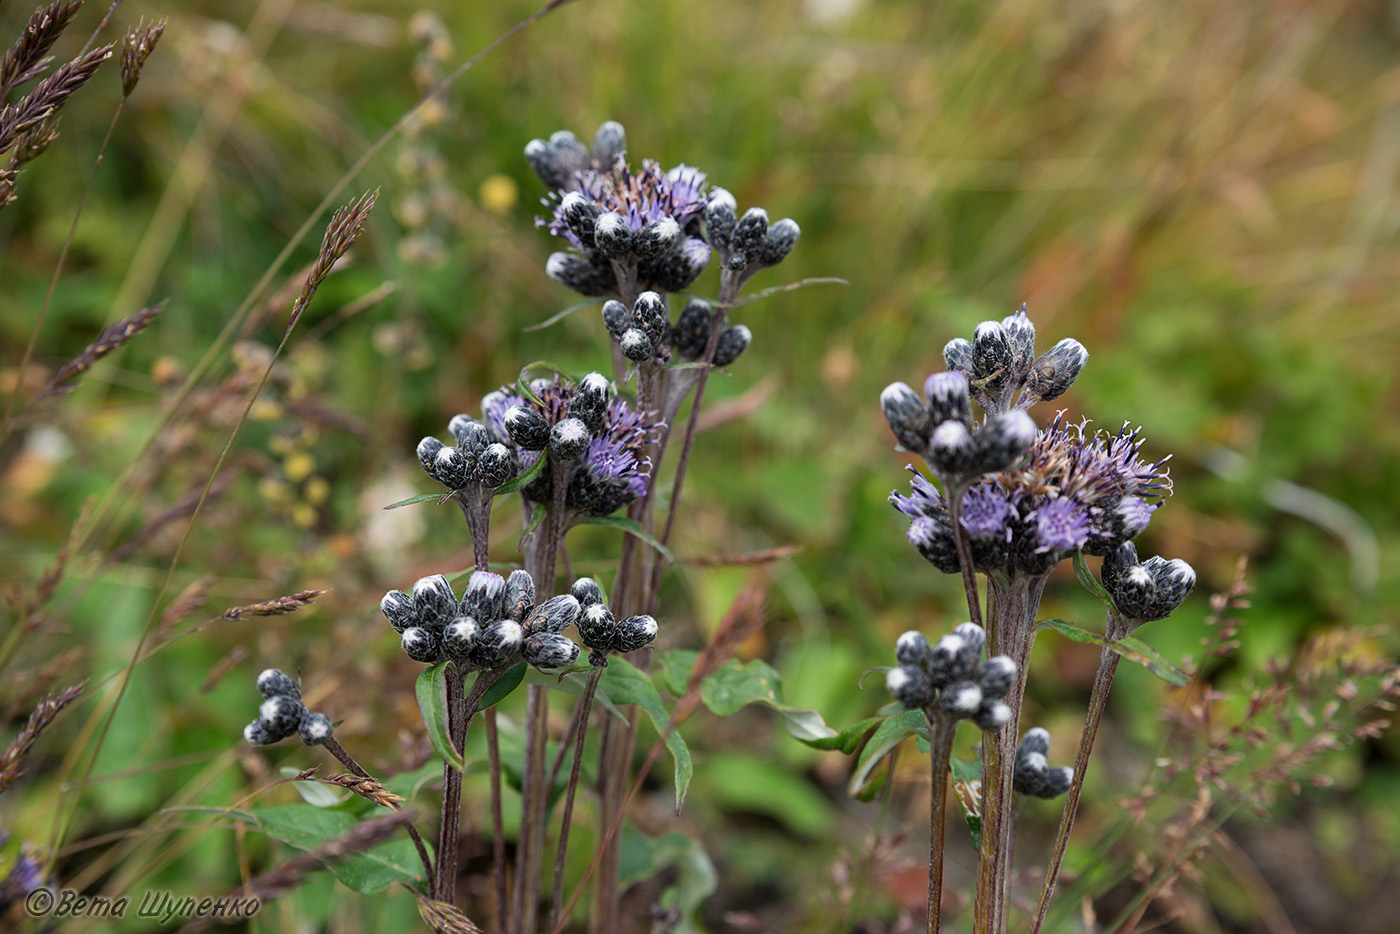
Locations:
{"points": [[498, 839], [566, 821], [941, 727]]}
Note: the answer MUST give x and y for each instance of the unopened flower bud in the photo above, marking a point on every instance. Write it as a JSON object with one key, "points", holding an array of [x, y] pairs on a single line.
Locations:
{"points": [[581, 215], [597, 626], [1134, 592], [656, 238], [434, 604], [315, 729], [554, 615], [935, 542], [549, 650], [471, 436], [397, 608], [612, 235], [282, 714], [677, 269], [992, 715], [945, 665], [458, 636], [963, 699], [957, 355], [568, 440], [996, 676], [546, 164], [526, 427], [1056, 369], [520, 595], [948, 398], [1174, 581], [778, 242], [427, 455], [273, 683], [908, 416], [452, 469], [910, 686], [951, 448], [608, 143], [420, 644], [633, 633], [649, 316], [636, 346], [691, 333], [257, 733], [1020, 333], [1003, 441], [496, 643], [1057, 781], [616, 318], [732, 342], [991, 354], [579, 273], [1037, 739], [485, 596], [747, 239], [1116, 564], [496, 466], [720, 218], [587, 592], [589, 403], [975, 637], [913, 651]]}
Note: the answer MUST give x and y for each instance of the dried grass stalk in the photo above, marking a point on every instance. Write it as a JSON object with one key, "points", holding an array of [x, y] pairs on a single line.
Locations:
{"points": [[12, 759], [31, 144], [28, 57], [288, 604], [344, 229], [48, 95], [137, 45], [366, 788], [442, 918], [110, 339]]}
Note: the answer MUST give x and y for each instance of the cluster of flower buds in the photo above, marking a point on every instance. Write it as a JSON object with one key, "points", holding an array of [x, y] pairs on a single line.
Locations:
{"points": [[567, 429], [283, 713], [479, 458], [644, 332], [603, 632], [1145, 591], [1032, 774], [696, 325], [747, 243], [1000, 363], [947, 676], [493, 623], [642, 224], [938, 427]]}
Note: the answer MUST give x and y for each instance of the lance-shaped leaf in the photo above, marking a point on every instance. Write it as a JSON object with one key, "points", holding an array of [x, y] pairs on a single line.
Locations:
{"points": [[1131, 648]]}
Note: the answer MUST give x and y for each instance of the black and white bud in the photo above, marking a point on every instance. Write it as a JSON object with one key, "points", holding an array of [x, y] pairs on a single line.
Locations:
{"points": [[1003, 441], [281, 714], [1057, 781], [948, 398], [257, 733], [934, 540], [497, 643], [1030, 773], [677, 269], [397, 608], [315, 729], [911, 686], [527, 428], [546, 164], [1020, 332], [636, 346], [721, 216], [962, 699], [580, 273], [731, 344], [1135, 592], [656, 238], [554, 615], [991, 354], [568, 150], [587, 592], [908, 416], [612, 235], [421, 644], [778, 242], [996, 676], [975, 637], [1116, 564], [1037, 739], [913, 651], [520, 595], [608, 143], [992, 715], [459, 636], [1053, 372], [649, 316], [952, 448], [957, 355], [581, 214], [452, 468], [1174, 580], [747, 239], [485, 596], [568, 439], [589, 403], [616, 318], [549, 650], [691, 333], [496, 466], [597, 626], [427, 455], [945, 665], [434, 604], [273, 683], [471, 436], [633, 633]]}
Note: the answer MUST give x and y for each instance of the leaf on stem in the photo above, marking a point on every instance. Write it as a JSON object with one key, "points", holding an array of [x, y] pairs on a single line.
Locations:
{"points": [[737, 684], [526, 478], [305, 827], [537, 514], [432, 704], [560, 315], [624, 683], [1133, 649], [503, 687], [631, 527], [420, 498], [1089, 582], [886, 738]]}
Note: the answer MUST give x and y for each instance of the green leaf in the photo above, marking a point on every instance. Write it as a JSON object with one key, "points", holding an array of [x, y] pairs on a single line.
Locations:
{"points": [[1089, 582], [305, 827], [1134, 650], [968, 771], [674, 667], [625, 684], [420, 498], [432, 704], [886, 737], [537, 514], [503, 687], [632, 527], [522, 382], [526, 478], [748, 782], [560, 315], [643, 858], [738, 684], [574, 686], [317, 794], [848, 740]]}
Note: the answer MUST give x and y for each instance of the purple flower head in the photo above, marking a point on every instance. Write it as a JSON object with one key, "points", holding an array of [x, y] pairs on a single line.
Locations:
{"points": [[987, 513], [926, 501], [1060, 525], [640, 198]]}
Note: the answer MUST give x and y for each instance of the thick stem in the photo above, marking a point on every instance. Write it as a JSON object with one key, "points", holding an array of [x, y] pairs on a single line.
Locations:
{"points": [[1011, 604], [566, 821], [475, 502], [337, 750], [498, 839], [445, 887], [941, 727], [1098, 702]]}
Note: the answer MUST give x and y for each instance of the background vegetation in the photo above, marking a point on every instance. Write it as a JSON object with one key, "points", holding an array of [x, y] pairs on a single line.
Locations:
{"points": [[1202, 193]]}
